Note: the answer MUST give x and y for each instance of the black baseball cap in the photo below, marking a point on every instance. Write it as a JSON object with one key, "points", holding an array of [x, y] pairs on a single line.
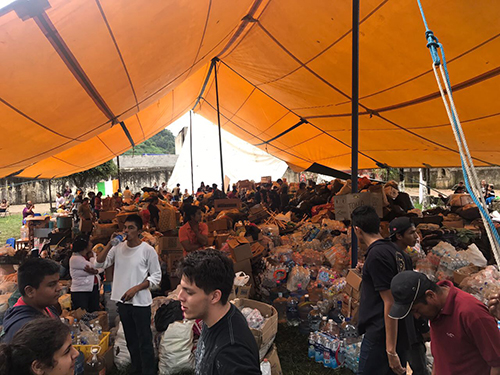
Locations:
{"points": [[406, 287], [399, 225]]}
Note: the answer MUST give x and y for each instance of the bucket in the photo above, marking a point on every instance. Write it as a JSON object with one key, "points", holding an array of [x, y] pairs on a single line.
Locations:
{"points": [[64, 222]]}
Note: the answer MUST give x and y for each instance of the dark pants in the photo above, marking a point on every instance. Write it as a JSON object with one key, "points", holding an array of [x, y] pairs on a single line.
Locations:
{"points": [[417, 359], [373, 359], [88, 301], [136, 321]]}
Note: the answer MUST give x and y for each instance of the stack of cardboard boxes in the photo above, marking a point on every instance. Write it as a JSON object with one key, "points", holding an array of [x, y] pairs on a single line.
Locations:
{"points": [[172, 249], [218, 232], [351, 295], [257, 213]]}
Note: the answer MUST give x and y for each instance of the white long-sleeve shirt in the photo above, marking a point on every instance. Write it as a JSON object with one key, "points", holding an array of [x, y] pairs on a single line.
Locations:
{"points": [[133, 265]]}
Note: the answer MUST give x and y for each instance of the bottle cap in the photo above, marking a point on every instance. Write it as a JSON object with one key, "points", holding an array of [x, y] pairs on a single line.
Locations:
{"points": [[280, 294]]}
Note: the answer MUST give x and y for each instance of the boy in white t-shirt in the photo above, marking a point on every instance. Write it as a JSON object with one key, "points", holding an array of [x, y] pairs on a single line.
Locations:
{"points": [[136, 268]]}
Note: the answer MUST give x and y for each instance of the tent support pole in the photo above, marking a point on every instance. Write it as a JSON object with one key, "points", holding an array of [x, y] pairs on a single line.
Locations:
{"points": [[50, 194], [355, 114], [119, 177], [191, 148], [214, 62]]}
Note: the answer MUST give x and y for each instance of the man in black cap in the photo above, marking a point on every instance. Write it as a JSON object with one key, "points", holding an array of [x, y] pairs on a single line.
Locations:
{"points": [[465, 337], [385, 344], [404, 234]]}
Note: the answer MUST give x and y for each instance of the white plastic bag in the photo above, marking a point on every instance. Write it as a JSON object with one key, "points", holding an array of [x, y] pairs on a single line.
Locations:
{"points": [[475, 256], [176, 348], [120, 350], [241, 278]]}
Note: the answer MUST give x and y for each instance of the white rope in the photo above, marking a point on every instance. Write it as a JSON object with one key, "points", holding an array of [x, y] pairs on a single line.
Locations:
{"points": [[465, 156]]}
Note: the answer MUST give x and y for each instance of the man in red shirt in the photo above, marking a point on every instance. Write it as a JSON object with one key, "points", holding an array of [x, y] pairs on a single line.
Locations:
{"points": [[464, 337]]}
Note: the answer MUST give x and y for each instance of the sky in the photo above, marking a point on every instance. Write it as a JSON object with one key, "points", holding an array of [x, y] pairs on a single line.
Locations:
{"points": [[4, 3]]}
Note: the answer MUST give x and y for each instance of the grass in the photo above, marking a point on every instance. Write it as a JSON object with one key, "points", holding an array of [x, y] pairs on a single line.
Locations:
{"points": [[10, 226]]}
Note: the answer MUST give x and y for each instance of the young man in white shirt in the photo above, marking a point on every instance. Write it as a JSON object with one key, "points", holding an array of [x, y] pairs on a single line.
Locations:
{"points": [[136, 268]]}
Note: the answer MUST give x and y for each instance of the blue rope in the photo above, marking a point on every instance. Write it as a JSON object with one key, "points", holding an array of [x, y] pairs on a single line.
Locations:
{"points": [[433, 45]]}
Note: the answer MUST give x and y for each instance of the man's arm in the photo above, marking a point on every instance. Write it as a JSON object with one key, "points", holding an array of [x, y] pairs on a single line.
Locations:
{"points": [[154, 277], [391, 333], [102, 260], [188, 246], [129, 294]]}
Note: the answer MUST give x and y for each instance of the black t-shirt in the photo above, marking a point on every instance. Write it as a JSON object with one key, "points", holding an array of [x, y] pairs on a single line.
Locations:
{"points": [[228, 347], [384, 260]]}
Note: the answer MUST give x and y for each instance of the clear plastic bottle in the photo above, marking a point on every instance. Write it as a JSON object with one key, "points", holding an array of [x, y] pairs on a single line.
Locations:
{"points": [[75, 332], [24, 233], [349, 332], [280, 304], [324, 324], [319, 348], [265, 367], [333, 328], [312, 341], [314, 319], [98, 330]]}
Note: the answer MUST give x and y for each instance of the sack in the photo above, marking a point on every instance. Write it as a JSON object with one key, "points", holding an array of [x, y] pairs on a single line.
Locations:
{"points": [[120, 350], [176, 348]]}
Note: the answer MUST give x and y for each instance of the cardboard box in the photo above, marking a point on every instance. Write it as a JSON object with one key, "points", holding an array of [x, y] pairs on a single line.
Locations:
{"points": [[103, 320], [86, 226], [272, 357], [353, 280], [345, 204], [211, 240], [109, 359], [107, 216], [266, 180], [246, 266], [173, 259], [257, 249], [464, 272], [217, 225], [268, 331], [240, 248], [350, 308], [220, 239], [226, 204], [167, 244]]}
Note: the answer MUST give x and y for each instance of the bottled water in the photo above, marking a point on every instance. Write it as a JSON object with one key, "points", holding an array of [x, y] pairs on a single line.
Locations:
{"points": [[312, 342], [119, 238], [75, 332], [319, 348], [265, 367], [98, 330]]}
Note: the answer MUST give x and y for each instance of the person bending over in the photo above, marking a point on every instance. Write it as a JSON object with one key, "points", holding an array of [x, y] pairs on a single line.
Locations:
{"points": [[226, 345]]}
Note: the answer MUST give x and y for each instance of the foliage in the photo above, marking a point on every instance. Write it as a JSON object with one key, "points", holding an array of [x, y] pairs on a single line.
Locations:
{"points": [[161, 143], [101, 172]]}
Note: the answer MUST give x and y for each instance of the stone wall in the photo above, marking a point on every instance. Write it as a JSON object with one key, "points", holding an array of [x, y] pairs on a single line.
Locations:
{"points": [[19, 190]]}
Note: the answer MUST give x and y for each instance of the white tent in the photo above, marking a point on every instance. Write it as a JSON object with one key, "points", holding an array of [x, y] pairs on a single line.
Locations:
{"points": [[241, 160]]}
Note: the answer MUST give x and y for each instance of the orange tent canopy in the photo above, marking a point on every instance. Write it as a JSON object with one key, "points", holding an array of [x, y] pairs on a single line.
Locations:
{"points": [[84, 80]]}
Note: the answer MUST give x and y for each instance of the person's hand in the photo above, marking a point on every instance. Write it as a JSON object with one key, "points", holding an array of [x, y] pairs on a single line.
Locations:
{"points": [[90, 270], [129, 294], [494, 305], [395, 364]]}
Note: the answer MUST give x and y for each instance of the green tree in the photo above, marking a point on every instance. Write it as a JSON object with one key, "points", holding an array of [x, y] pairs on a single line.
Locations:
{"points": [[161, 143], [101, 172]]}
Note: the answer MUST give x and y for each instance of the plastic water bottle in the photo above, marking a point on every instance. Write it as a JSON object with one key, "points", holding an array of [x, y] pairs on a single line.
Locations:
{"points": [[292, 311], [95, 365], [311, 349], [349, 331], [75, 332], [327, 351], [118, 239], [265, 367], [319, 348], [98, 330]]}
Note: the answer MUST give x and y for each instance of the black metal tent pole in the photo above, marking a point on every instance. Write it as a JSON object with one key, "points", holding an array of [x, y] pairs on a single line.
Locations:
{"points": [[214, 62], [191, 148], [354, 127], [119, 174], [50, 194]]}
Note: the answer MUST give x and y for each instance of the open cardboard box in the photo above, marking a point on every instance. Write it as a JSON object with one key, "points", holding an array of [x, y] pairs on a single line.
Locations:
{"points": [[353, 281], [274, 360], [267, 332], [240, 248]]}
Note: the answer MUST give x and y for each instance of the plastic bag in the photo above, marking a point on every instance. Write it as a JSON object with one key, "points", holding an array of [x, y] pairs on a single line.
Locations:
{"points": [[120, 350], [175, 353], [474, 256], [298, 275], [241, 278], [253, 316]]}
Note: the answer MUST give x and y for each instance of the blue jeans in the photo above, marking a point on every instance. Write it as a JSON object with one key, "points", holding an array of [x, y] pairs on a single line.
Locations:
{"points": [[373, 359]]}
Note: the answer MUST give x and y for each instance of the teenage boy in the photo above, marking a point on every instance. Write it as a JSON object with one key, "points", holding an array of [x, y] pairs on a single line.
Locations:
{"points": [[384, 346], [136, 268], [226, 345], [465, 337], [38, 283], [404, 234]]}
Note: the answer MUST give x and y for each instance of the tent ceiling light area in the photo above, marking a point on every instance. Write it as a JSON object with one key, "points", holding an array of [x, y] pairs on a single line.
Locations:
{"points": [[82, 81]]}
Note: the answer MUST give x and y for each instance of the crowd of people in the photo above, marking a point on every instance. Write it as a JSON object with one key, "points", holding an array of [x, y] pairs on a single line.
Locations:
{"points": [[400, 309]]}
